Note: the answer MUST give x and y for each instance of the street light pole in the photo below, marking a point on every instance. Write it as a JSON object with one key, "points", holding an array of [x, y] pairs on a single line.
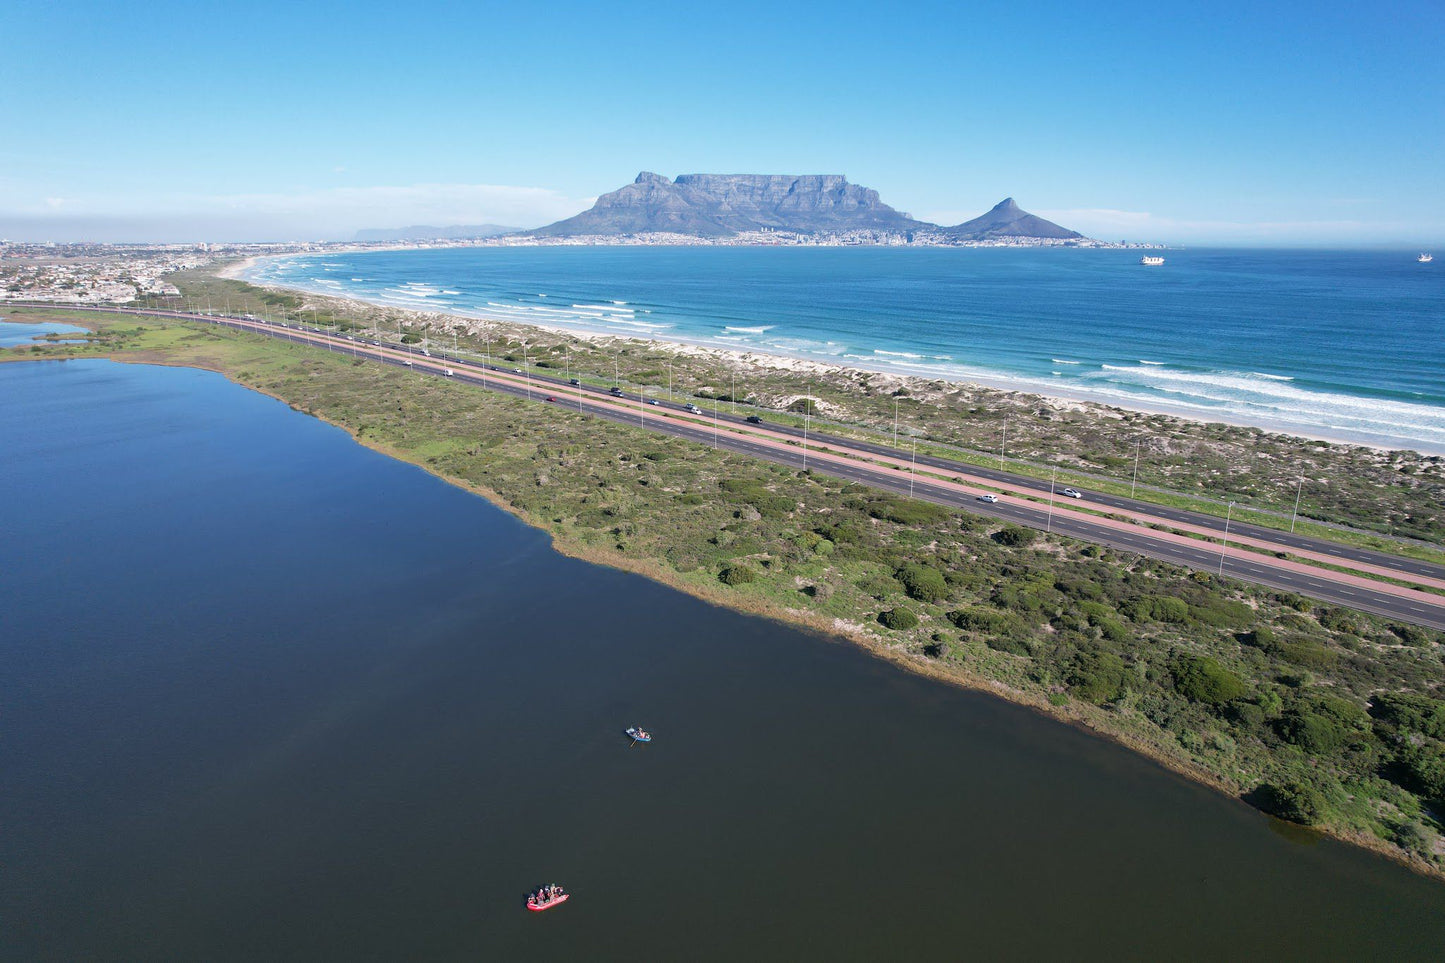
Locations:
{"points": [[895, 421], [1052, 480], [913, 468], [807, 420], [1137, 443], [1224, 543], [1002, 443], [1297, 492]]}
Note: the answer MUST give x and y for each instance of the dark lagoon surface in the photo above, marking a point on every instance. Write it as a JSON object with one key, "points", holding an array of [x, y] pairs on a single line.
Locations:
{"points": [[267, 694]]}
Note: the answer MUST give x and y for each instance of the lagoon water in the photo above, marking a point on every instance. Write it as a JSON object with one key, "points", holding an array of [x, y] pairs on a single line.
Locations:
{"points": [[267, 694], [1345, 345], [15, 334]]}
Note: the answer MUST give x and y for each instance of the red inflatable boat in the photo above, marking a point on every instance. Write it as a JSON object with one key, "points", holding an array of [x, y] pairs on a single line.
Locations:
{"points": [[538, 904]]}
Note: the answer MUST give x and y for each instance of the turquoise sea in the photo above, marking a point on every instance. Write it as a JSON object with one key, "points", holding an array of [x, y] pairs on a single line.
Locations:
{"points": [[1344, 345]]}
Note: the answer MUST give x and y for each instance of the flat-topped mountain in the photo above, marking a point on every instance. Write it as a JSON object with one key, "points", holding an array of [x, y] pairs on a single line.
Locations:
{"points": [[721, 205], [717, 205], [1007, 219]]}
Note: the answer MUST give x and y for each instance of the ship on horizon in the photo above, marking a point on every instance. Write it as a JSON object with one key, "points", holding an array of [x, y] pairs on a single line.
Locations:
{"points": [[1425, 258], [1151, 260]]}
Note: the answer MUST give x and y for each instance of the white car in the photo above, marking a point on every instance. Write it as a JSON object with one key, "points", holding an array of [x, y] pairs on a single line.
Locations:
{"points": [[988, 498], [1071, 493]]}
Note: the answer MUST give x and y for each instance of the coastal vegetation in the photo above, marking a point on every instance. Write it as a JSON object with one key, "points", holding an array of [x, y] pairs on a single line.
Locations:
{"points": [[1321, 715], [1393, 501]]}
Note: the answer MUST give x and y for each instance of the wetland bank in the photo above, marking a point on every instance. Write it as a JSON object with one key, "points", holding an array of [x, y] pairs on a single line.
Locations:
{"points": [[368, 731]]}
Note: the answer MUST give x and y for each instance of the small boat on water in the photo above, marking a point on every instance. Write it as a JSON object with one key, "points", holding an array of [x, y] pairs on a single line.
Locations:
{"points": [[546, 898], [1425, 258], [639, 734], [1151, 260]]}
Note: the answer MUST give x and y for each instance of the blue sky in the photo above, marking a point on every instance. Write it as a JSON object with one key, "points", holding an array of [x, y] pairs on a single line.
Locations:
{"points": [[1242, 123]]}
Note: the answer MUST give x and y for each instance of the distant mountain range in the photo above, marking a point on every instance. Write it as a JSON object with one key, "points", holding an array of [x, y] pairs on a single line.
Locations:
{"points": [[424, 232], [720, 205]]}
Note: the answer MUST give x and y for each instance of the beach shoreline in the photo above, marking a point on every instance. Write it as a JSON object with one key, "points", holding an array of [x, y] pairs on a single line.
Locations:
{"points": [[1025, 391]]}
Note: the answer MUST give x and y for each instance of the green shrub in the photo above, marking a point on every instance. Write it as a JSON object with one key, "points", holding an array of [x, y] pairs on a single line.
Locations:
{"points": [[1423, 771], [1413, 634], [907, 512], [980, 619], [1294, 801], [1410, 713], [1261, 638], [1310, 731], [1307, 653], [1111, 629], [738, 575], [1297, 602], [1015, 536], [1161, 608], [1081, 588], [1246, 715], [841, 534], [1205, 680], [1098, 676], [898, 619], [922, 582], [1222, 613], [1012, 644], [1338, 620]]}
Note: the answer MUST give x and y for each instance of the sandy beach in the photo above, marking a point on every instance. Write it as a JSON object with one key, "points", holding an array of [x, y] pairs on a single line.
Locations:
{"points": [[1023, 392]]}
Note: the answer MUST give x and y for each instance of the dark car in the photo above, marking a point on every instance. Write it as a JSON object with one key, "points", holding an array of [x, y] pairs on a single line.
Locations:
{"points": [[754, 420], [617, 392], [575, 383], [551, 398]]}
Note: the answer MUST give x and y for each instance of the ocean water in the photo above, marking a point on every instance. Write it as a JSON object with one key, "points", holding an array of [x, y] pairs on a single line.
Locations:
{"points": [[1338, 345]]}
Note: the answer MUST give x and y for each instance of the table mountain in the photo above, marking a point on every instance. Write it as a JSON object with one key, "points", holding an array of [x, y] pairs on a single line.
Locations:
{"points": [[717, 205]]}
